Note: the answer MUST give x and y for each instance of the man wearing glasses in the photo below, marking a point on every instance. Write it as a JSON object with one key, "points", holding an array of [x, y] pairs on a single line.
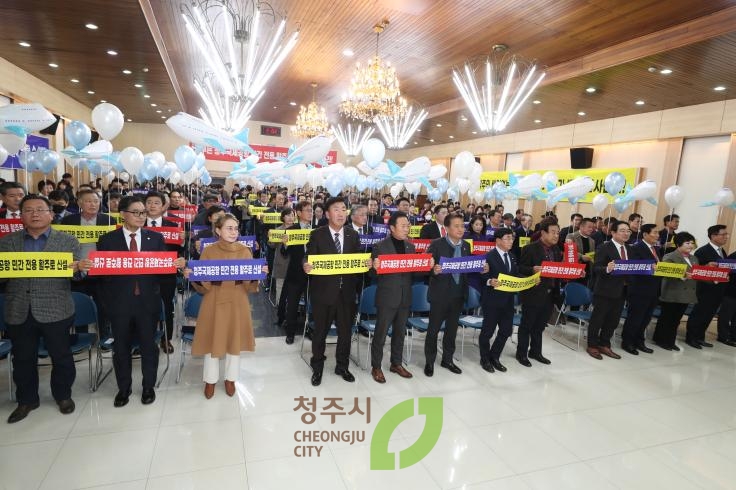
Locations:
{"points": [[709, 294], [40, 307], [133, 301]]}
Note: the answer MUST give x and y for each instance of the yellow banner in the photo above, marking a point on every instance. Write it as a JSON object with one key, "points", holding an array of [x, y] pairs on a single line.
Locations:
{"points": [[515, 284], [85, 234], [255, 210], [271, 218], [415, 231], [241, 202], [598, 175], [591, 255], [333, 264], [296, 237], [470, 242], [252, 197], [524, 241], [36, 264], [668, 269]]}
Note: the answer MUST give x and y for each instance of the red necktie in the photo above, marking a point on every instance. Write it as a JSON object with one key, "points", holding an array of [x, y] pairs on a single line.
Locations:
{"points": [[443, 232], [623, 253], [654, 253], [134, 248]]}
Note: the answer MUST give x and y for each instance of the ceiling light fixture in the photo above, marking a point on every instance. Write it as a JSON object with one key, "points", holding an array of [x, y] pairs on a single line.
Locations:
{"points": [[719, 88], [74, 80], [153, 105], [129, 120], [137, 85], [536, 102], [53, 65], [91, 92], [146, 96], [311, 120], [451, 137], [537, 121], [25, 44], [399, 127], [431, 141], [292, 103], [91, 26], [475, 132], [348, 52], [351, 137], [590, 90], [127, 72], [112, 52], [439, 125], [507, 82], [581, 113], [243, 43], [374, 89], [639, 102], [665, 71]]}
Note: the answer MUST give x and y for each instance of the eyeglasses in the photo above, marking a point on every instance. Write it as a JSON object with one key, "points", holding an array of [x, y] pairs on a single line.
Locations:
{"points": [[138, 214], [35, 211]]}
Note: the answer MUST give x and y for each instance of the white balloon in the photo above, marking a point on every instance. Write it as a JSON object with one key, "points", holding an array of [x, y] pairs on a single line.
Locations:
{"points": [[157, 157], [3, 154], [107, 120], [413, 188], [436, 172], [132, 159], [462, 165], [298, 175], [600, 203], [549, 177], [463, 185], [12, 143], [724, 197], [395, 190], [190, 176], [674, 196], [351, 173], [478, 196], [373, 151], [175, 177], [124, 176]]}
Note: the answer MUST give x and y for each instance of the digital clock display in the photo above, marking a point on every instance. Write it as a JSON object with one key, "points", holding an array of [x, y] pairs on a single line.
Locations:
{"points": [[270, 130]]}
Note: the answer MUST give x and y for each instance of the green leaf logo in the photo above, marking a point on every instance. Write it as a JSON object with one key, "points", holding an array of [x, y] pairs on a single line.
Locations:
{"points": [[381, 458]]}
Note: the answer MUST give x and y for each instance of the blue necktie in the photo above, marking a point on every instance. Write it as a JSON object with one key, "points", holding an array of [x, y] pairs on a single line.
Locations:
{"points": [[506, 261]]}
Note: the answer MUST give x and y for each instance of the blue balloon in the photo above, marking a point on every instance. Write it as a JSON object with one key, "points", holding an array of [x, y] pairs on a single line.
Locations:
{"points": [[614, 183], [114, 160], [621, 206], [334, 184], [184, 158], [78, 134], [435, 195], [49, 161], [199, 160], [452, 194], [443, 184], [206, 178], [94, 167], [488, 194]]}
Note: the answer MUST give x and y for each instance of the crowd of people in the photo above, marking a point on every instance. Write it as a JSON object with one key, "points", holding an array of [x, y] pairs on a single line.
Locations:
{"points": [[129, 306]]}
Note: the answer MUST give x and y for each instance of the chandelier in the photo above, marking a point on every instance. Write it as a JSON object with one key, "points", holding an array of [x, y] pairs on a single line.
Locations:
{"points": [[507, 83], [398, 128], [242, 43], [351, 138], [312, 120], [374, 89]]}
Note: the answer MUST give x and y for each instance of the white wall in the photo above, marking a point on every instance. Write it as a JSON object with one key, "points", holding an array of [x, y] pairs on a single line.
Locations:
{"points": [[702, 170], [514, 161]]}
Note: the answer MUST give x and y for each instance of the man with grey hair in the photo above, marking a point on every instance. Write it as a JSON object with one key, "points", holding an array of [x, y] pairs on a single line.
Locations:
{"points": [[359, 219]]}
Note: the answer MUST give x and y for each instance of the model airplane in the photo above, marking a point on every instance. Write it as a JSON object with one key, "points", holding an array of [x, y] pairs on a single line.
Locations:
{"points": [[21, 119], [202, 134], [573, 191], [644, 191], [313, 150], [93, 151], [527, 186]]}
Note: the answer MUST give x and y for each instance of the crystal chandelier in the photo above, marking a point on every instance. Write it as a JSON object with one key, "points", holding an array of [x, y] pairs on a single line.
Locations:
{"points": [[508, 82], [351, 138], [243, 42], [312, 120], [398, 128], [374, 89]]}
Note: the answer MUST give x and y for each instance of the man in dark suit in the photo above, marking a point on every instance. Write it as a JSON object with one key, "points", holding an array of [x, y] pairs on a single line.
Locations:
{"points": [[373, 216], [447, 294], [609, 292], [575, 219], [133, 301], [404, 205], [435, 229], [332, 296], [59, 201], [40, 307], [523, 230], [12, 193], [155, 208], [498, 306], [709, 294], [393, 299], [642, 293], [634, 226], [359, 219], [537, 302], [296, 279], [666, 234]]}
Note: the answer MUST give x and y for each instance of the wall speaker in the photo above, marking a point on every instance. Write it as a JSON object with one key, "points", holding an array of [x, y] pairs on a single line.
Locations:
{"points": [[581, 157]]}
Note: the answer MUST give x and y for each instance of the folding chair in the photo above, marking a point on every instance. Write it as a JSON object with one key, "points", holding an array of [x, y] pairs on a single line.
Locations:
{"points": [[191, 310], [419, 306], [331, 333], [577, 295], [6, 347], [367, 308], [473, 321]]}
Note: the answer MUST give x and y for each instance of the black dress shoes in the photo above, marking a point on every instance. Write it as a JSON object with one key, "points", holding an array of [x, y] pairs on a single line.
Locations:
{"points": [[498, 366], [289, 339], [644, 348], [675, 348], [316, 378], [694, 344], [21, 412], [346, 375], [148, 396], [121, 399], [704, 343], [451, 367], [428, 370], [731, 343], [486, 365], [540, 358], [630, 349], [66, 406], [524, 361]]}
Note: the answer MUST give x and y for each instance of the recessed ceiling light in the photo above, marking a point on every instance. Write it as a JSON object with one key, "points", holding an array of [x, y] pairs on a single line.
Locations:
{"points": [[275, 107], [292, 103], [163, 117], [130, 120], [719, 88], [590, 90], [665, 71], [639, 102], [53, 65], [169, 110], [153, 105], [431, 141], [537, 121], [103, 101], [347, 52], [463, 118], [91, 92], [475, 132], [146, 96], [144, 70], [416, 143], [25, 44], [536, 102], [90, 26], [127, 72], [581, 113], [159, 111], [137, 85], [439, 125], [419, 130], [112, 52], [451, 137], [74, 80]]}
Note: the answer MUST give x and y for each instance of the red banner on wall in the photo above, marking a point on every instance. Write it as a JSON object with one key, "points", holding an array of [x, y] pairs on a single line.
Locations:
{"points": [[131, 263], [705, 273], [9, 226], [266, 153], [395, 263]]}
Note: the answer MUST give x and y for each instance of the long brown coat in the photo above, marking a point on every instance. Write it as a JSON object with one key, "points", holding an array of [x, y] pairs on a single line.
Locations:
{"points": [[224, 324]]}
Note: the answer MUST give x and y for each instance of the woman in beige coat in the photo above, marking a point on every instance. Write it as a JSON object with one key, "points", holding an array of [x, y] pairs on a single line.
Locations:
{"points": [[224, 325]]}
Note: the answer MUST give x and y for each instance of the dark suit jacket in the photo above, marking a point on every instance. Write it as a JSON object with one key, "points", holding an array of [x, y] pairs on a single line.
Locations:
{"points": [[643, 286], [4, 213], [118, 290], [394, 290], [706, 254], [294, 270], [439, 284], [430, 231], [608, 285], [326, 290], [496, 266], [76, 219], [518, 233], [548, 288]]}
